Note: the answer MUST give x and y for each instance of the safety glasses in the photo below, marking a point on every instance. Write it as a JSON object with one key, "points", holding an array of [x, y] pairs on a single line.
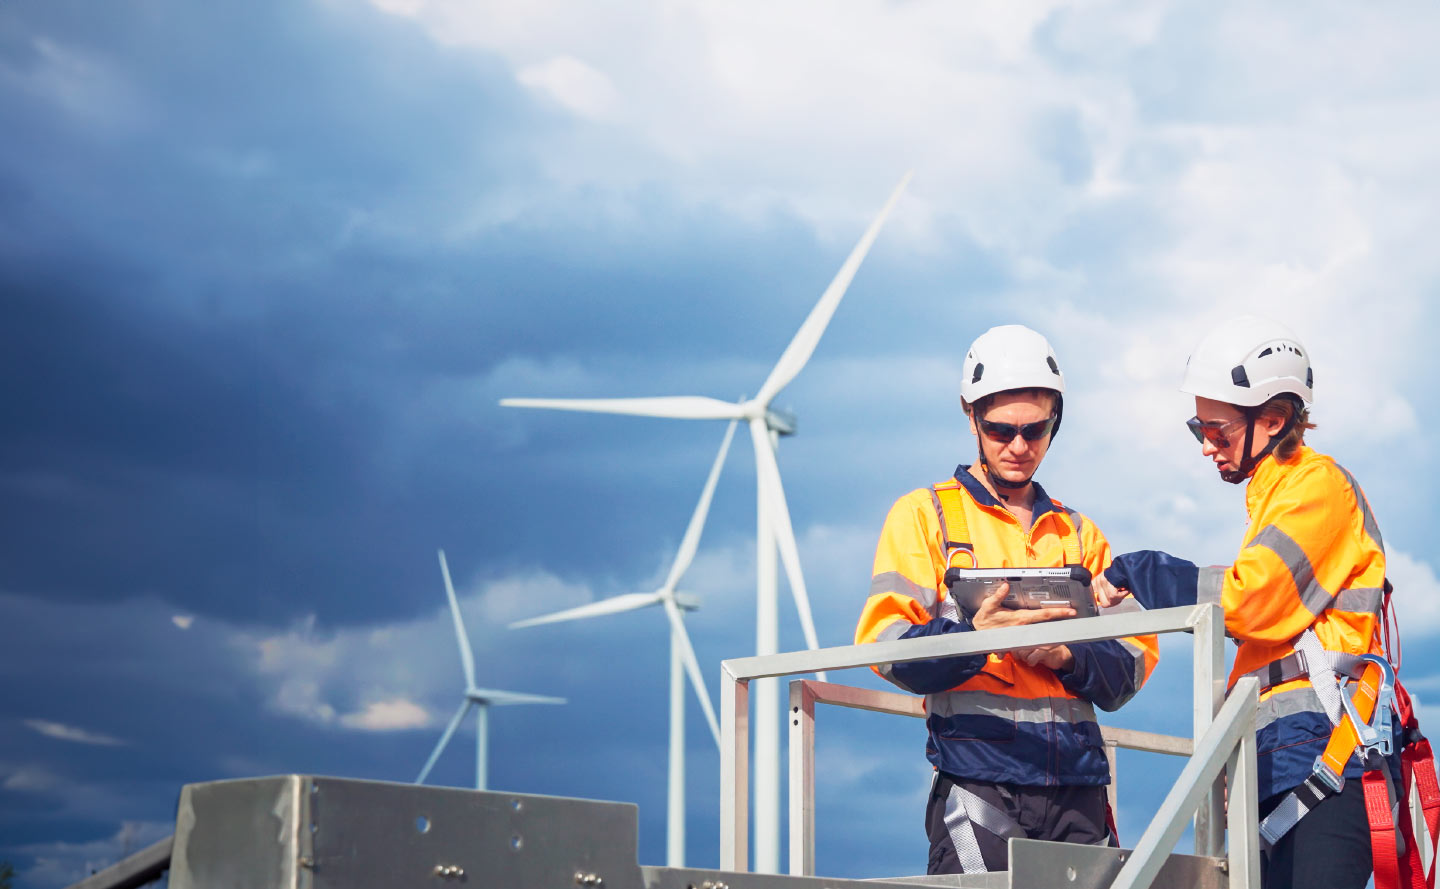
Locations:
{"points": [[1004, 433], [1212, 431]]}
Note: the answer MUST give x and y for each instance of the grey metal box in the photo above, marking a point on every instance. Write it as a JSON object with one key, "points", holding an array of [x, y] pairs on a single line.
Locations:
{"points": [[306, 832]]}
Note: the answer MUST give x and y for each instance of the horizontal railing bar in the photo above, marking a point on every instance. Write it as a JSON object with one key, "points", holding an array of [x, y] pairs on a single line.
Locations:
{"points": [[896, 704], [1148, 742], [1084, 629]]}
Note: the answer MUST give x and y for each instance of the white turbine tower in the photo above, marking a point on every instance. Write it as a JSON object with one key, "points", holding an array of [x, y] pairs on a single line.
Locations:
{"points": [[482, 699], [773, 528], [682, 654]]}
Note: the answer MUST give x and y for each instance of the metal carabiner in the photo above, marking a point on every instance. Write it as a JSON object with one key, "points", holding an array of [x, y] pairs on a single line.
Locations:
{"points": [[1377, 734]]}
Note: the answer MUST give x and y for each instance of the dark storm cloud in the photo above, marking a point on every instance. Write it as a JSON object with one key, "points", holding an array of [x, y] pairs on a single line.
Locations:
{"points": [[206, 347]]}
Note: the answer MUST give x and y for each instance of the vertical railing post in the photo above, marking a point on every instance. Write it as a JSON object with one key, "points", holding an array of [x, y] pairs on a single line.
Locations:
{"points": [[1242, 815], [802, 779], [1209, 695], [1112, 792], [734, 772]]}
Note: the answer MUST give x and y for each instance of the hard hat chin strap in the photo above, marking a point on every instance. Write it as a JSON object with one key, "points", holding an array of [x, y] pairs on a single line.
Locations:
{"points": [[1248, 464]]}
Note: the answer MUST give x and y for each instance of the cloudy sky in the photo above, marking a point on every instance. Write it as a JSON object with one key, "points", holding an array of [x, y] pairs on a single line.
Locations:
{"points": [[266, 268]]}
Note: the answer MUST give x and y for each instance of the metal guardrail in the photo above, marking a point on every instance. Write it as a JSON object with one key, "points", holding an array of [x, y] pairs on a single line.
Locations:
{"points": [[806, 693], [1212, 749]]}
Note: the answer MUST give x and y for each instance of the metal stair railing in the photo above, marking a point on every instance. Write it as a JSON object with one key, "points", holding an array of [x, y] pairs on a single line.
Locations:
{"points": [[1212, 749]]}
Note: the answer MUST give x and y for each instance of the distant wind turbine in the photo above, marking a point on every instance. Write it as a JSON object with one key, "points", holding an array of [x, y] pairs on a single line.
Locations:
{"points": [[682, 654], [773, 528], [482, 699]]}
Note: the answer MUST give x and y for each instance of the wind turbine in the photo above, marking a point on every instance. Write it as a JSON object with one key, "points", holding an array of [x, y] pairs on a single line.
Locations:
{"points": [[773, 528], [482, 699], [682, 654]]}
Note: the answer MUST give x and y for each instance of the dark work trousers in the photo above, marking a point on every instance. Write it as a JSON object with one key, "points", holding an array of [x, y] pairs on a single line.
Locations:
{"points": [[971, 822], [1329, 847]]}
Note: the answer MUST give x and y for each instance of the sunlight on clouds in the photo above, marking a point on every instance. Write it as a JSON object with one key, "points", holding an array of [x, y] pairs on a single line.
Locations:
{"points": [[388, 715], [386, 678]]}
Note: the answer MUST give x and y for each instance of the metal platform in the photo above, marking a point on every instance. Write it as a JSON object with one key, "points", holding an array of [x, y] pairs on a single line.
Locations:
{"points": [[310, 832]]}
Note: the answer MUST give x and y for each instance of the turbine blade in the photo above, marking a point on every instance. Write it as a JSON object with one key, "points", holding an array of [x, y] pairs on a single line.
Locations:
{"points": [[691, 541], [785, 540], [803, 345], [678, 636], [685, 407], [465, 706], [612, 605], [467, 660], [497, 698]]}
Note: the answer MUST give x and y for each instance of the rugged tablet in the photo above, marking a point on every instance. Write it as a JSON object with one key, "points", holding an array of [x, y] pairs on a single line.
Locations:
{"points": [[1029, 588]]}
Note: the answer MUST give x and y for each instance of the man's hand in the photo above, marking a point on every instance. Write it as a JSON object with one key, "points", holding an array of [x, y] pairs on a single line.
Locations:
{"points": [[991, 615], [1106, 593], [1056, 657]]}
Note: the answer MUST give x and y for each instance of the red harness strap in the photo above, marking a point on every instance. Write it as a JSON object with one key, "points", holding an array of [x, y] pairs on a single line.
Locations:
{"points": [[1392, 869]]}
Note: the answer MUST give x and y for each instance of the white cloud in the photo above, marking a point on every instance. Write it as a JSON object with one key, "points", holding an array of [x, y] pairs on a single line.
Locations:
{"points": [[389, 677], [388, 715], [63, 732], [1417, 595], [572, 83], [183, 621], [32, 778]]}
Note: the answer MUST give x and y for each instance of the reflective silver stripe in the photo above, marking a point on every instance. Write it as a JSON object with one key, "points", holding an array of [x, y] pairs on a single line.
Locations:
{"points": [[1210, 584], [949, 610], [1313, 596], [1365, 600], [895, 582], [962, 834], [1031, 711], [889, 633], [986, 815], [1371, 526], [1138, 655], [1287, 703]]}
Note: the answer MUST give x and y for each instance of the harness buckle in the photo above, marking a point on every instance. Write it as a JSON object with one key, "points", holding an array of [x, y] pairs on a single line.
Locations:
{"points": [[1327, 775]]}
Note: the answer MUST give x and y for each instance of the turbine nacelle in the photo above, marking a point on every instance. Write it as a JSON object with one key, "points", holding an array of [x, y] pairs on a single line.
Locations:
{"points": [[780, 422]]}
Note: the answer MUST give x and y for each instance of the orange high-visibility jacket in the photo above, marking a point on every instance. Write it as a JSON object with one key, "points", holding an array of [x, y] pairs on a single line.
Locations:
{"points": [[1312, 558], [995, 718]]}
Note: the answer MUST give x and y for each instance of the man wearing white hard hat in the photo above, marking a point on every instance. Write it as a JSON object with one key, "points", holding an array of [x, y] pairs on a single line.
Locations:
{"points": [[1012, 735]]}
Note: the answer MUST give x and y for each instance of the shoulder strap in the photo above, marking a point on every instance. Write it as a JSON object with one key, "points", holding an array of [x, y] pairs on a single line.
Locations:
{"points": [[954, 527], [1074, 551]]}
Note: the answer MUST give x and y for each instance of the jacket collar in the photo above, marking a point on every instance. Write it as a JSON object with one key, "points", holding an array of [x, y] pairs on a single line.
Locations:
{"points": [[982, 495], [1270, 471]]}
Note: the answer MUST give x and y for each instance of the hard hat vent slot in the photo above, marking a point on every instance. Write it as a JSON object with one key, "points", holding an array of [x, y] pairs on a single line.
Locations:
{"points": [[1238, 377], [1055, 368], [979, 369]]}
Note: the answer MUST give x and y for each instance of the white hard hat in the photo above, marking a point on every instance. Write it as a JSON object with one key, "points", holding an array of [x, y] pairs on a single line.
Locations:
{"points": [[1009, 357], [1247, 361]]}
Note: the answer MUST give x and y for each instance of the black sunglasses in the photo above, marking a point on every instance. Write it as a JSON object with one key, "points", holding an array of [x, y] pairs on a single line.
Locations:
{"points": [[1004, 433], [1212, 431]]}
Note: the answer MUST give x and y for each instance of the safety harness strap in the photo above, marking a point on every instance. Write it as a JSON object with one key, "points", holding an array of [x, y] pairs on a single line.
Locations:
{"points": [[1342, 744], [953, 525], [1292, 666], [955, 528]]}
